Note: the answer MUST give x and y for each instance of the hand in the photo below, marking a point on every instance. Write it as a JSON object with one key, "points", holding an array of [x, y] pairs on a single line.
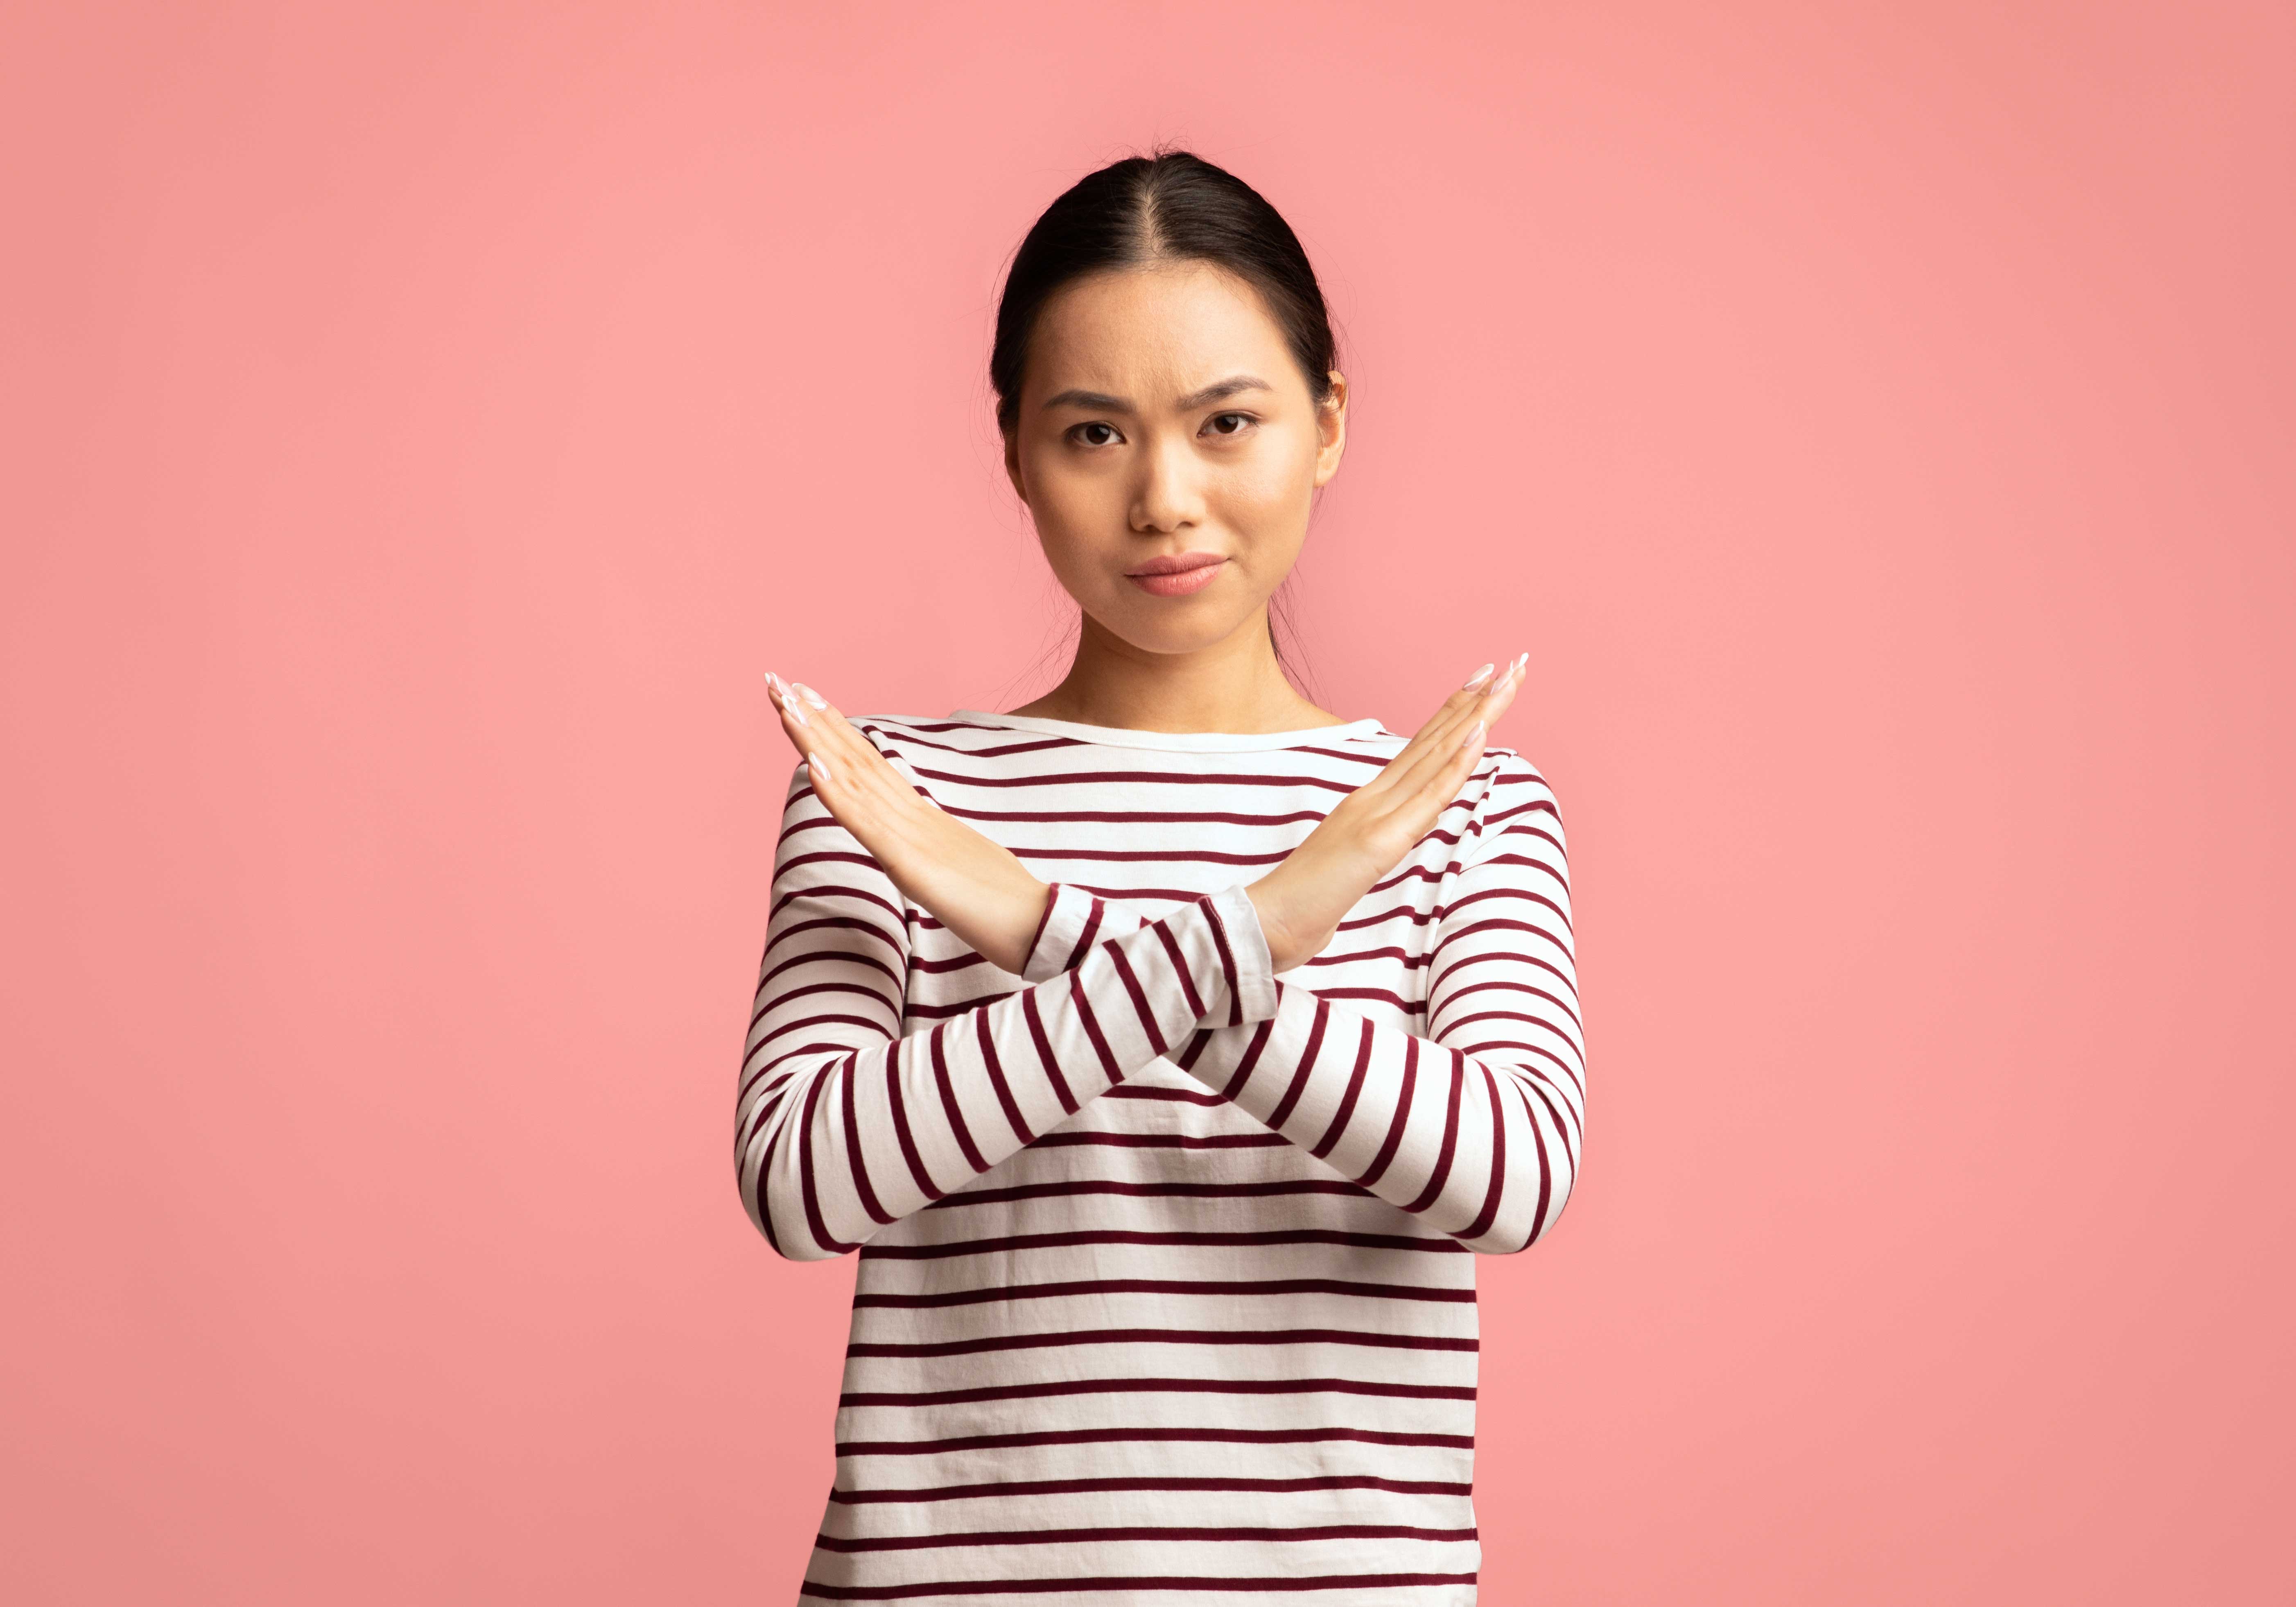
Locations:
{"points": [[977, 890], [1302, 901]]}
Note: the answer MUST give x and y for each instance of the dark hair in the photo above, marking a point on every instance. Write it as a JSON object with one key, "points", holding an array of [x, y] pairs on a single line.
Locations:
{"points": [[1172, 206]]}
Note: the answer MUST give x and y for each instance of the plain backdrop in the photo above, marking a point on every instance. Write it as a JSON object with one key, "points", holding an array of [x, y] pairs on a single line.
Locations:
{"points": [[422, 424]]}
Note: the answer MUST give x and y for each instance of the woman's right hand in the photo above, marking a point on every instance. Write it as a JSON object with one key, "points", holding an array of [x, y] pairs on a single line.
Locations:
{"points": [[1302, 901], [972, 886]]}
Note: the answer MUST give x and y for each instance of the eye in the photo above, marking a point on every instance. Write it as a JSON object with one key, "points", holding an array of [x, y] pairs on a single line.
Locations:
{"points": [[1078, 434], [1230, 423]]}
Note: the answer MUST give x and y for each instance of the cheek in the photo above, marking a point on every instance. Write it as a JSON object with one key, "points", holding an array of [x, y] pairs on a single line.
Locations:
{"points": [[1079, 518], [1075, 504], [1267, 494]]}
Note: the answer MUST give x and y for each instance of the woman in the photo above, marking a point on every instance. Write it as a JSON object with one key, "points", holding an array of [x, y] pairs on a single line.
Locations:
{"points": [[1168, 1045]]}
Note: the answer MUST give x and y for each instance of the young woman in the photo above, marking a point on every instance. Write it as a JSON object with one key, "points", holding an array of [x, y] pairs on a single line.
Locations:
{"points": [[1169, 1046]]}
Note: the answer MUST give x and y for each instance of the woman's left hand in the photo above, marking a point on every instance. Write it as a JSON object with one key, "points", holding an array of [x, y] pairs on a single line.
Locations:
{"points": [[972, 886], [1302, 901]]}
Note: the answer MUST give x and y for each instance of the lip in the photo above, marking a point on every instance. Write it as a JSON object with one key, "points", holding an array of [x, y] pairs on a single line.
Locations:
{"points": [[1176, 563], [1177, 574]]}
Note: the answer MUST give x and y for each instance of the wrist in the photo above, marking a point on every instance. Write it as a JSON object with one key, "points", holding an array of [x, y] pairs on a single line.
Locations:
{"points": [[1251, 962], [993, 904], [1070, 919], [1032, 907], [1274, 925], [1013, 915]]}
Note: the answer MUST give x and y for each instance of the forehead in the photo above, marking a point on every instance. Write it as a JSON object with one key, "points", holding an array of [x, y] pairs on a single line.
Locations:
{"points": [[1155, 330]]}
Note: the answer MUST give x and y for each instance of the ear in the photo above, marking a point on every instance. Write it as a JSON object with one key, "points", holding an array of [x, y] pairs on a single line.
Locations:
{"points": [[1012, 465], [1332, 429]]}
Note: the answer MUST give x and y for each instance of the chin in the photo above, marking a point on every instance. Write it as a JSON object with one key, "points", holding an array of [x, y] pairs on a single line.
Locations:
{"points": [[1177, 627]]}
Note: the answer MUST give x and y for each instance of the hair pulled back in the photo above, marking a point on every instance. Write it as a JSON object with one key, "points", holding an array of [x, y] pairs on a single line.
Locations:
{"points": [[1169, 207]]}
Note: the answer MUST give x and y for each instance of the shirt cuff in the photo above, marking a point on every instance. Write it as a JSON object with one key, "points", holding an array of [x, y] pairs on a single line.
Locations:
{"points": [[1072, 920], [1243, 952]]}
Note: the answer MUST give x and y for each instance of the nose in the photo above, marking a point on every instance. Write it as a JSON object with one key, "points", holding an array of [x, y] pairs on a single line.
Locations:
{"points": [[1168, 497]]}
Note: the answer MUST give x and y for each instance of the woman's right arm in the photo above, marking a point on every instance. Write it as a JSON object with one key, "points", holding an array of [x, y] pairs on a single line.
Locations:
{"points": [[843, 1126]]}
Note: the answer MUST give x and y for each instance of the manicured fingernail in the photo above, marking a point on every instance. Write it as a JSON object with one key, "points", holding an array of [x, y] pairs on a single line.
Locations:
{"points": [[1474, 731], [773, 682], [793, 708], [1478, 676], [811, 696], [818, 765]]}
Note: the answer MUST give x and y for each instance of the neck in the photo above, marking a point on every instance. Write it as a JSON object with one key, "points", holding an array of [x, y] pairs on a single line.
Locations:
{"points": [[1232, 686]]}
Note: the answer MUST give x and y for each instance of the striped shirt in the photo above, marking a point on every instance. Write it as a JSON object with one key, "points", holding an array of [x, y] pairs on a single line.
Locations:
{"points": [[1165, 1285]]}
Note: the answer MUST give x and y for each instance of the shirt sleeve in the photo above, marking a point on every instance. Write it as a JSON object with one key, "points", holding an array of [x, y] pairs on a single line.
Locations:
{"points": [[1476, 1125], [843, 1126]]}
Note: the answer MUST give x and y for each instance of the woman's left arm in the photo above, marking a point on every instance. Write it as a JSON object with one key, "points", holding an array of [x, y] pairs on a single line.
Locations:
{"points": [[1476, 1126]]}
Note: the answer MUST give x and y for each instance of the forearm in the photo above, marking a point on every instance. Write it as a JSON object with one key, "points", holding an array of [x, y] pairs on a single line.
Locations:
{"points": [[1477, 1133], [836, 1141], [1482, 1146]]}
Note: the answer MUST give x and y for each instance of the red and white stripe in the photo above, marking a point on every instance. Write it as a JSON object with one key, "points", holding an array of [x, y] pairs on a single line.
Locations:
{"points": [[1164, 1288]]}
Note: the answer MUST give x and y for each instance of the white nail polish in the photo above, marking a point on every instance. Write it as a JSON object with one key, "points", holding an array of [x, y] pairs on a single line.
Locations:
{"points": [[1474, 731], [819, 766], [1478, 676], [811, 696], [794, 710]]}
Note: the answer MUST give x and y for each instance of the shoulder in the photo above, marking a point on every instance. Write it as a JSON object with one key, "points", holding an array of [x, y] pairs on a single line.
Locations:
{"points": [[892, 731], [1514, 809], [1508, 768], [926, 748]]}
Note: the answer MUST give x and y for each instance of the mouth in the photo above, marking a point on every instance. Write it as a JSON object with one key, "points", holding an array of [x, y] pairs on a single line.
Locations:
{"points": [[1177, 574]]}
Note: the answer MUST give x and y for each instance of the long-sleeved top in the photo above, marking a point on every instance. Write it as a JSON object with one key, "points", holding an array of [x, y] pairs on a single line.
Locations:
{"points": [[1167, 1283]]}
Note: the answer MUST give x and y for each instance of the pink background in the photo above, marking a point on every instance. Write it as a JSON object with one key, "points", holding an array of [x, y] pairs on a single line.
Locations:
{"points": [[423, 423]]}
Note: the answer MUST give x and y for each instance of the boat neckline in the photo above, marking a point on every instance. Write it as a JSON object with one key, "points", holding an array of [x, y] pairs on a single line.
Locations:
{"points": [[1195, 742]]}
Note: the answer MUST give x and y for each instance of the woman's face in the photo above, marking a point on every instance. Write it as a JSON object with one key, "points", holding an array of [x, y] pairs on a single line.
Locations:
{"points": [[1167, 447]]}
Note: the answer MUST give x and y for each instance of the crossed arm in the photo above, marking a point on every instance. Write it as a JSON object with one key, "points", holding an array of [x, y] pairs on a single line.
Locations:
{"points": [[844, 1127]]}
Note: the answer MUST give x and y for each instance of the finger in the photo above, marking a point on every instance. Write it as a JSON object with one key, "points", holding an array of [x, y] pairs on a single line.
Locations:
{"points": [[1474, 701], [1448, 712], [800, 738], [786, 702], [831, 720], [792, 720], [821, 773], [833, 781], [1493, 702], [1434, 737], [1442, 784], [1502, 694], [871, 790], [1437, 743], [1436, 785], [802, 715], [848, 745]]}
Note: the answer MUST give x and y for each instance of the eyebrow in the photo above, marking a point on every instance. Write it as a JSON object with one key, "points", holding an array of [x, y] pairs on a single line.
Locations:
{"points": [[1219, 392]]}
